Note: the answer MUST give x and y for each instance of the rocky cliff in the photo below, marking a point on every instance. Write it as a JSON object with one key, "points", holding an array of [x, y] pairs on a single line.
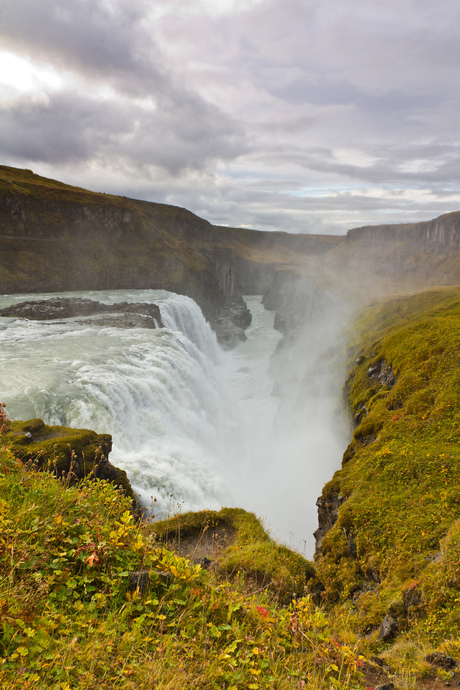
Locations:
{"points": [[55, 237], [444, 231]]}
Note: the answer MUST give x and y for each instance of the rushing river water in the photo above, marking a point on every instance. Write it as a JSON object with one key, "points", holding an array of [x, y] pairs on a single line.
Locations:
{"points": [[194, 426]]}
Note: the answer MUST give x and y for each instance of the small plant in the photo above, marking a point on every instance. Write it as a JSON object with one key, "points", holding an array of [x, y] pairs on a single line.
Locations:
{"points": [[4, 421]]}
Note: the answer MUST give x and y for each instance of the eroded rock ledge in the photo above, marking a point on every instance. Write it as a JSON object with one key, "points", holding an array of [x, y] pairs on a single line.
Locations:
{"points": [[122, 315], [70, 453], [230, 322]]}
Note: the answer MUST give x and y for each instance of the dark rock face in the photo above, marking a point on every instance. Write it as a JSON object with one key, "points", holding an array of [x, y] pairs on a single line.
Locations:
{"points": [[389, 629], [383, 373], [230, 322], [328, 512], [444, 230]]}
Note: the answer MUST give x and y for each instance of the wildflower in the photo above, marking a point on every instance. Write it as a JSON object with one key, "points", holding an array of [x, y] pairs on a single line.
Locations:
{"points": [[263, 611]]}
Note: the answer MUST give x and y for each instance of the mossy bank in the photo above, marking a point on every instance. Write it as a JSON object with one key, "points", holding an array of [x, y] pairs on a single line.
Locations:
{"points": [[390, 562], [71, 454]]}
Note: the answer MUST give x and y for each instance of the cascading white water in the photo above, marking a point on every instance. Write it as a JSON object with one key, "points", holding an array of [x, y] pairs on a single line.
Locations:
{"points": [[158, 392], [192, 425]]}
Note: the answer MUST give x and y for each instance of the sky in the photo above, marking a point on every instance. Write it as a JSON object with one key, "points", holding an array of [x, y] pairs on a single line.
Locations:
{"points": [[310, 116]]}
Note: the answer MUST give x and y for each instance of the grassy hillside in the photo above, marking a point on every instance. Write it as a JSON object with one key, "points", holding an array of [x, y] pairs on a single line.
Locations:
{"points": [[91, 599], [394, 552]]}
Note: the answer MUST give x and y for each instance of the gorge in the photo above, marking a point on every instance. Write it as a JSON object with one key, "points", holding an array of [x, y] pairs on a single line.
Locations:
{"points": [[272, 372], [55, 239], [194, 426]]}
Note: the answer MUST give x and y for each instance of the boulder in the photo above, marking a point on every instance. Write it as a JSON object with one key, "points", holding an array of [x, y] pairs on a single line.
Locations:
{"points": [[389, 629], [440, 660]]}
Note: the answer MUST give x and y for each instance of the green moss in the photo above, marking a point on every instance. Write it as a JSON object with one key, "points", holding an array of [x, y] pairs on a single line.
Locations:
{"points": [[401, 473], [71, 453], [238, 545]]}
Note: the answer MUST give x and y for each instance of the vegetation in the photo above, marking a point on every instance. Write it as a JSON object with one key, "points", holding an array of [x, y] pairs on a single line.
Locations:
{"points": [[394, 551], [76, 613], [75, 453], [235, 542]]}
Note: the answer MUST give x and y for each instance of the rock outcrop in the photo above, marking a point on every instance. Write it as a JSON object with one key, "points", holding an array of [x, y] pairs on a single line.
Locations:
{"points": [[69, 453], [231, 321], [328, 511], [128, 315], [444, 231]]}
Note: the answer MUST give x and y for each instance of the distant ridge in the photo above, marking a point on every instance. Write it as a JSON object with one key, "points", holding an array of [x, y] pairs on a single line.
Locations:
{"points": [[443, 230], [56, 237]]}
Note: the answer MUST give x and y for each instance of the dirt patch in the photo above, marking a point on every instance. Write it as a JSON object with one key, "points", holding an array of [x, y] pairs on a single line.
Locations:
{"points": [[207, 544]]}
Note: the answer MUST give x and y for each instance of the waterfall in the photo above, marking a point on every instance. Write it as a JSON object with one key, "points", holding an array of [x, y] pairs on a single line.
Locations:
{"points": [[160, 393], [193, 426]]}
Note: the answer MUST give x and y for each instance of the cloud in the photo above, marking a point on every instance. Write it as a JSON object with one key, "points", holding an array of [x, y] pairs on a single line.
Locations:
{"points": [[287, 114], [68, 127], [99, 40]]}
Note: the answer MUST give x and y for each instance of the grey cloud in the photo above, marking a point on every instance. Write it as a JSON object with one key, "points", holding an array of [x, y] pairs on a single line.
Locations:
{"points": [[88, 37], [106, 42], [67, 127]]}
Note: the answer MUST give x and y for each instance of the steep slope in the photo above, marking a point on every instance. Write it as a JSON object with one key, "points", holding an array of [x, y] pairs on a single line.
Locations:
{"points": [[388, 540], [55, 237]]}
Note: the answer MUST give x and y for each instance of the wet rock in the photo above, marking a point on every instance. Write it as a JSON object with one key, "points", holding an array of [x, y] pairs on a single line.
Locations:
{"points": [[122, 321], [230, 322], [383, 373], [389, 629], [328, 511], [142, 315]]}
